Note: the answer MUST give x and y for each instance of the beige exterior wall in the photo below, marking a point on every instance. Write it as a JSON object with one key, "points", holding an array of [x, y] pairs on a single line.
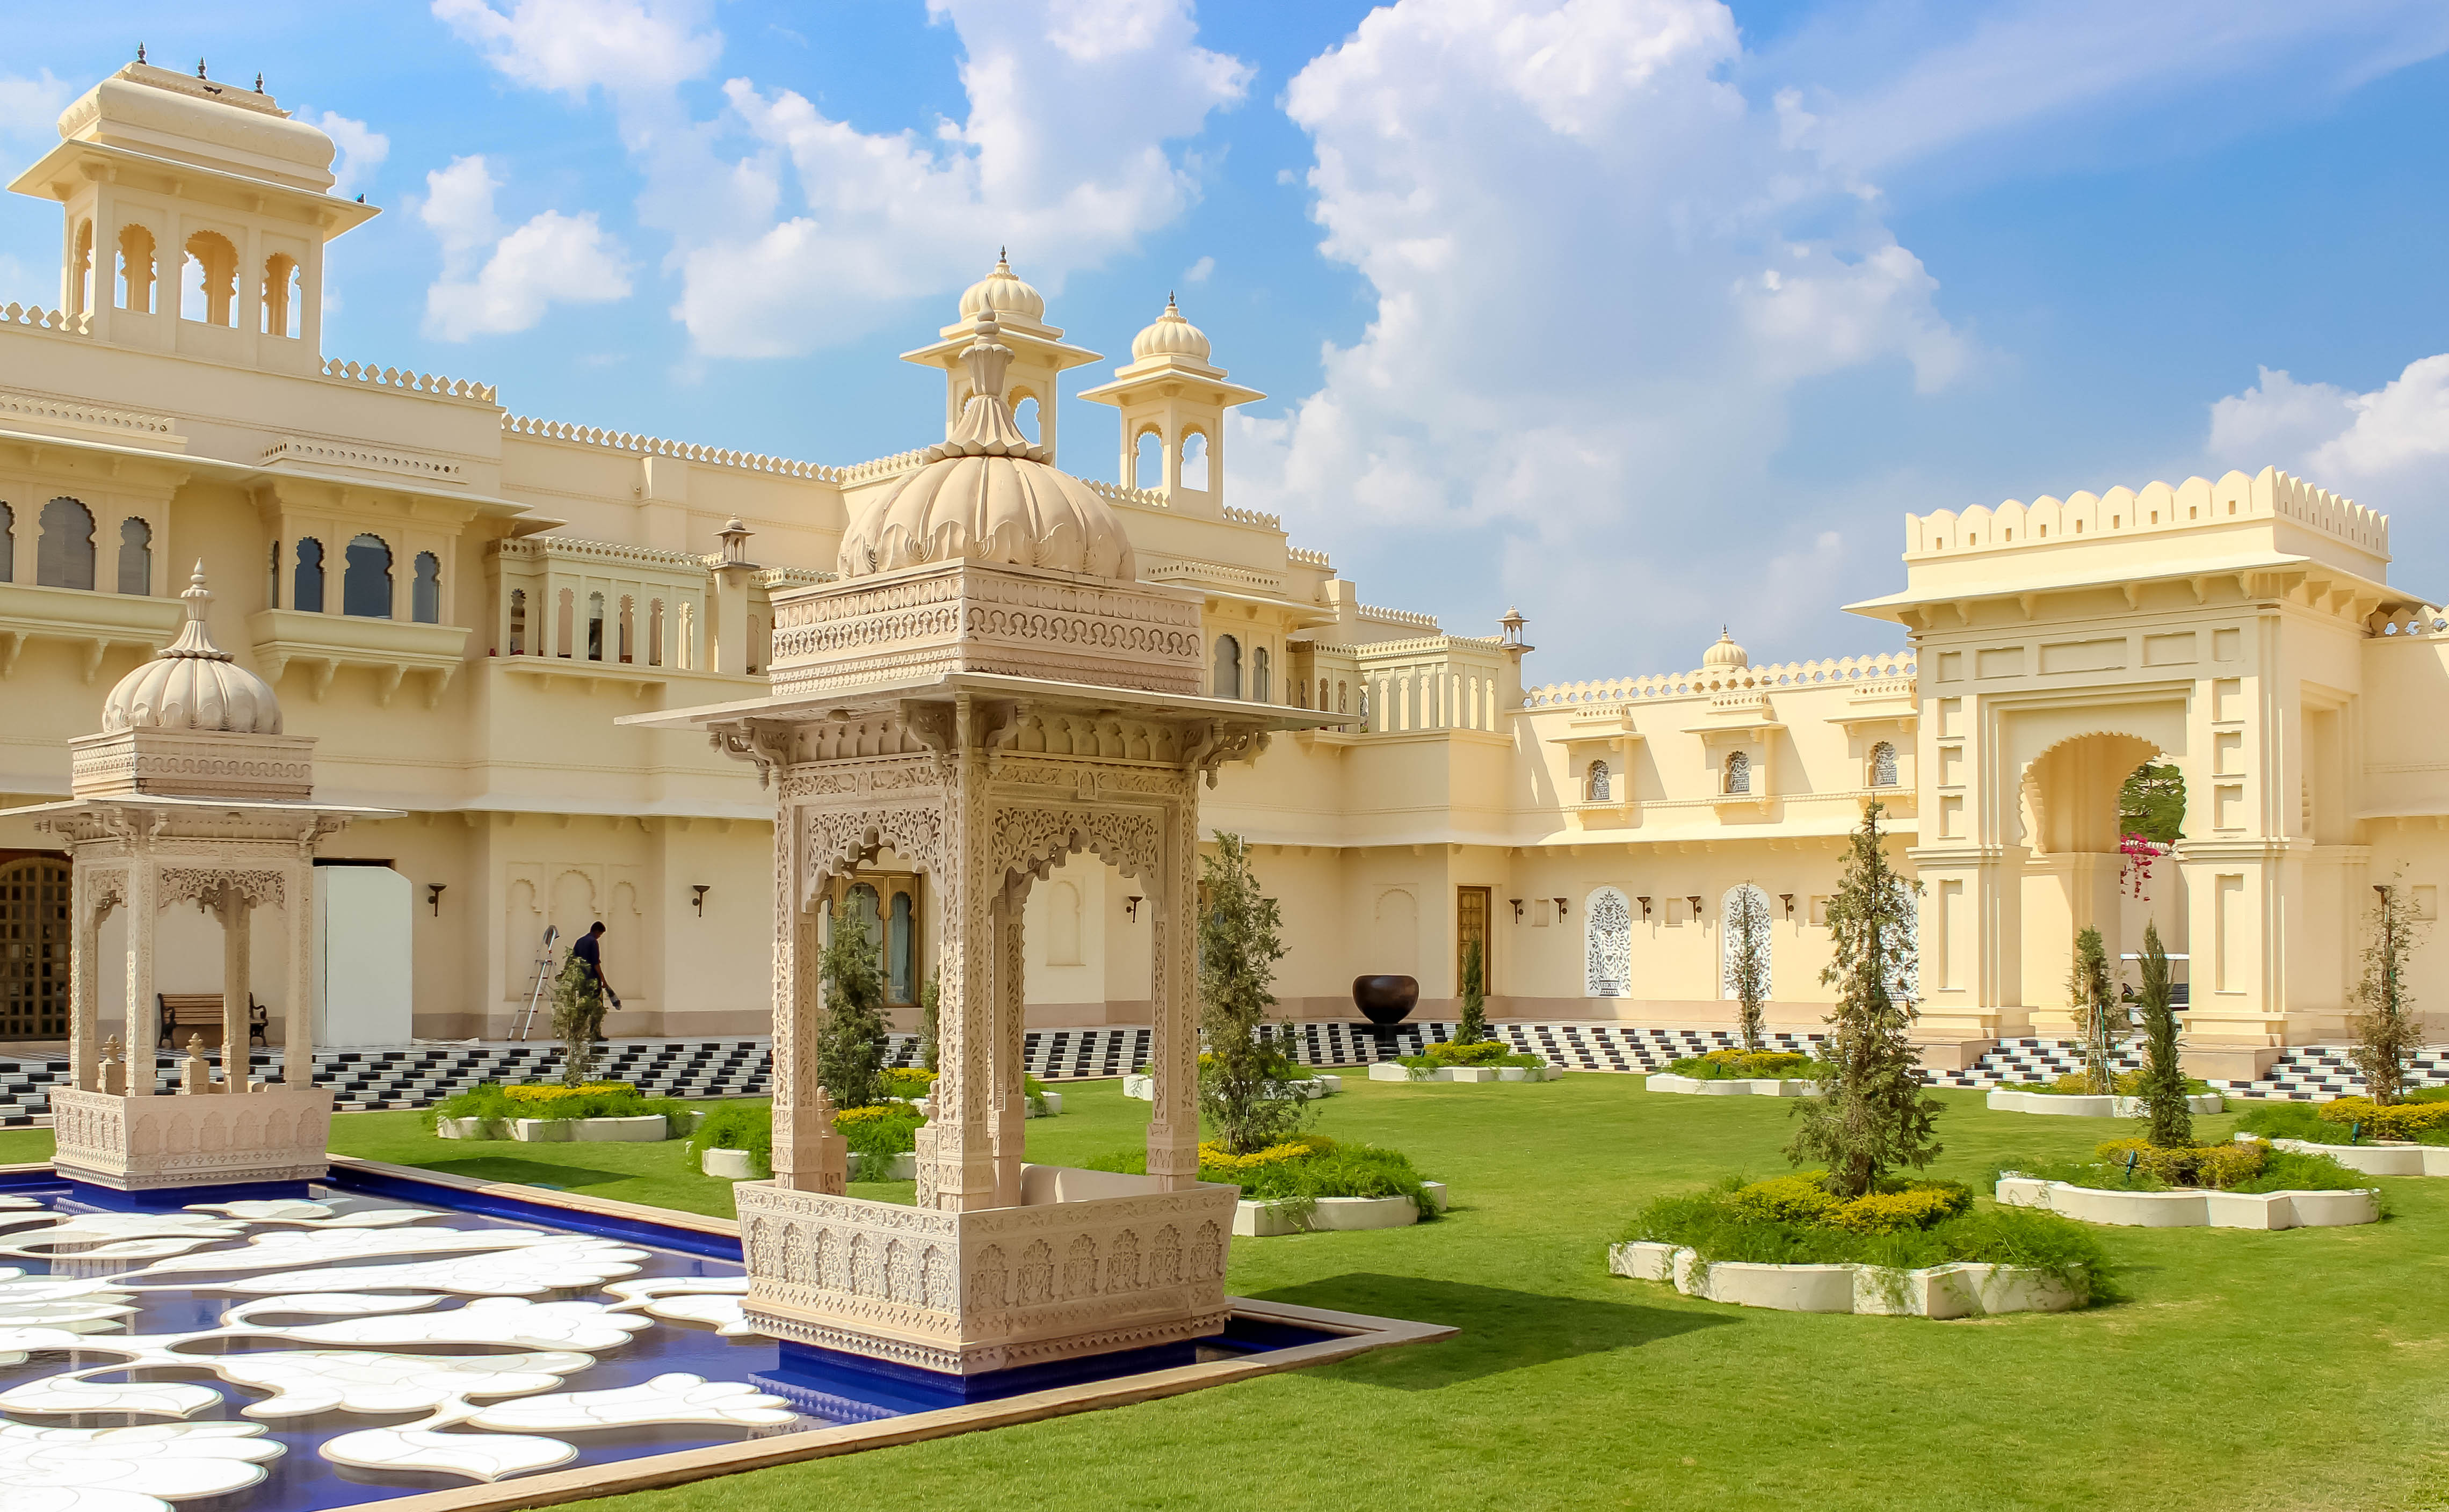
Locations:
{"points": [[2242, 629]]}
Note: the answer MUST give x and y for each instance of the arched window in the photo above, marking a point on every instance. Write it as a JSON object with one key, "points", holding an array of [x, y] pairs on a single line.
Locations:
{"points": [[365, 579], [279, 298], [135, 270], [1024, 415], [1229, 668], [306, 583], [654, 632], [1607, 939], [1147, 461], [208, 280], [1884, 765], [563, 624], [1600, 787], [64, 557], [135, 556], [1260, 688], [1062, 924], [629, 628], [595, 627], [899, 953], [863, 908], [1739, 772], [1195, 460], [425, 591], [518, 622]]}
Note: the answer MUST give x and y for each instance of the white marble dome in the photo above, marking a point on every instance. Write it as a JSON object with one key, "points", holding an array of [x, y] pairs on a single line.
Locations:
{"points": [[192, 685], [1001, 292], [1170, 336], [989, 493], [1726, 654]]}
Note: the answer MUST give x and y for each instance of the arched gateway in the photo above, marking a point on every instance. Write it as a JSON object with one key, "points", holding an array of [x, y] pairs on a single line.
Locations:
{"points": [[986, 690]]}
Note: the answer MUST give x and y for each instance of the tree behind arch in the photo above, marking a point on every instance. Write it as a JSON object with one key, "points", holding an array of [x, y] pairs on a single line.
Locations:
{"points": [[850, 1052], [1747, 959], [1240, 938]]}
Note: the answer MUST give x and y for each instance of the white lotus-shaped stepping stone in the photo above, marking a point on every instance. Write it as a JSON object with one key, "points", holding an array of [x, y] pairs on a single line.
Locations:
{"points": [[713, 1300], [306, 1381], [326, 1305], [489, 1320], [265, 1212], [335, 1247], [316, 1214], [565, 1267], [54, 1395], [113, 1232], [128, 1469], [675, 1398], [478, 1456], [11, 1201]]}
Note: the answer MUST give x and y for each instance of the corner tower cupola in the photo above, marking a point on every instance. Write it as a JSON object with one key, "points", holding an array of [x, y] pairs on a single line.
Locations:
{"points": [[1173, 395], [195, 214], [1017, 314]]}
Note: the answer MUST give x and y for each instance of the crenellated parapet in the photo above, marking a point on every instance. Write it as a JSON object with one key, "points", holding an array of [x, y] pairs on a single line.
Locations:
{"points": [[2155, 511], [1711, 681]]}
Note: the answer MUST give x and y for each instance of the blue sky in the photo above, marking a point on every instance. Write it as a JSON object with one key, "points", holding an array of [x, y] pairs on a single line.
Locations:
{"points": [[1645, 315]]}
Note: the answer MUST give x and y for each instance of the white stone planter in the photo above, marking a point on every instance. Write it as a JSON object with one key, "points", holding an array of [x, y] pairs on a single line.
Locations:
{"points": [[2192, 1208], [1046, 1106], [1267, 1219], [1390, 1071], [2379, 1158], [2090, 1107], [1765, 1087], [462, 1129], [1308, 1088], [643, 1129], [1938, 1292], [902, 1167], [727, 1165]]}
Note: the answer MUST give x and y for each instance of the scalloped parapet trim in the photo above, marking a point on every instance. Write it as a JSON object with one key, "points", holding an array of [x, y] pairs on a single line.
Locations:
{"points": [[2154, 507], [1707, 681]]}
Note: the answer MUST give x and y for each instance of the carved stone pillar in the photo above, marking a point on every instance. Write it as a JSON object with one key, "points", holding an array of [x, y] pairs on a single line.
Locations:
{"points": [[1173, 1038], [794, 1028], [965, 1176], [297, 1055], [144, 1014], [93, 903], [1011, 1092], [237, 983]]}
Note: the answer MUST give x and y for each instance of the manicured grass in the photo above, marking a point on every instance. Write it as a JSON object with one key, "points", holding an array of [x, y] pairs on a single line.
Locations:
{"points": [[2306, 1369]]}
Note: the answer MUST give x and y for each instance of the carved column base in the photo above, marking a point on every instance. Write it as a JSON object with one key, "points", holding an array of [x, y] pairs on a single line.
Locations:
{"points": [[1091, 1262], [136, 1144]]}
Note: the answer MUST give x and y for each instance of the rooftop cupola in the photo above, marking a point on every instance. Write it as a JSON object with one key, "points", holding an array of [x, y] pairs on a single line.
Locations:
{"points": [[1173, 397], [158, 171], [1037, 353], [1723, 655], [192, 685]]}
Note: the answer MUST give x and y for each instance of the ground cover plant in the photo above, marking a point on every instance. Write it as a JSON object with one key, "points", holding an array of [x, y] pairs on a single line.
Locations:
{"points": [[1903, 1224], [1742, 1066], [2079, 1084], [2424, 1118], [1484, 1052], [2237, 1165], [2166, 1399], [1298, 1170], [498, 1105]]}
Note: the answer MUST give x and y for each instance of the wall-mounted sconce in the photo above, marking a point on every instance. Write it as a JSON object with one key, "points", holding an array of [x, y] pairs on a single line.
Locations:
{"points": [[433, 896], [1787, 898], [1560, 908], [1518, 909], [1645, 907], [1696, 906], [700, 889], [1131, 908]]}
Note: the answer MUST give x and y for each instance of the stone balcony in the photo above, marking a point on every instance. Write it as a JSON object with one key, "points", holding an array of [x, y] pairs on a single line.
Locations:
{"points": [[322, 645], [89, 621]]}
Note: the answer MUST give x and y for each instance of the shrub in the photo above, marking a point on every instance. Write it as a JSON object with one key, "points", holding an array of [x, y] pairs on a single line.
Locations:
{"points": [[2219, 1166], [851, 1039], [1484, 1052], [497, 1104], [1240, 939], [909, 1081], [1298, 1172], [2398, 1120], [2291, 1120], [739, 1126], [1733, 1065], [1799, 1199], [1920, 1206], [883, 1128]]}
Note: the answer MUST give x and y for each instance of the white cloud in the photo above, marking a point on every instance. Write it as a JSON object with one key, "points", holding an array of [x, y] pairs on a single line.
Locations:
{"points": [[1599, 273], [571, 47], [30, 109], [1198, 271], [2388, 449], [492, 287], [363, 150]]}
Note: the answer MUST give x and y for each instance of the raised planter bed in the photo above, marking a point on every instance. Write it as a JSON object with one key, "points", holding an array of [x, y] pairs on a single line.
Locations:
{"points": [[646, 1128], [1763, 1086], [2007, 1101], [1263, 1219], [1046, 1106], [1143, 1087], [726, 1165], [2379, 1158], [2193, 1207], [1391, 1071], [1938, 1292], [734, 1165]]}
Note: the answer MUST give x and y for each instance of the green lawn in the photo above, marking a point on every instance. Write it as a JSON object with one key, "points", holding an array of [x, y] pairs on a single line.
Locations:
{"points": [[2245, 1370]]}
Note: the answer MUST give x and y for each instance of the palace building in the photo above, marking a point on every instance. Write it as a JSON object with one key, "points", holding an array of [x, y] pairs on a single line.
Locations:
{"points": [[457, 602]]}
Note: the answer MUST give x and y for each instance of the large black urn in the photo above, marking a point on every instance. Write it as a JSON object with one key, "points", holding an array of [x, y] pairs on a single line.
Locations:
{"points": [[1385, 1001]]}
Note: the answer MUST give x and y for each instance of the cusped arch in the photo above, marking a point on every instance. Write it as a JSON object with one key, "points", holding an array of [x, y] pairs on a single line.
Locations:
{"points": [[2067, 792]]}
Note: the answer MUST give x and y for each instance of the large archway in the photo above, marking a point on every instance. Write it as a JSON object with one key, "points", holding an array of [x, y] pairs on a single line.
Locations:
{"points": [[2094, 859]]}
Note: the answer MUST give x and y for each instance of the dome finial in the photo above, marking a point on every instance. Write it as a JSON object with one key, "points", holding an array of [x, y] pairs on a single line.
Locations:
{"points": [[197, 595], [987, 358]]}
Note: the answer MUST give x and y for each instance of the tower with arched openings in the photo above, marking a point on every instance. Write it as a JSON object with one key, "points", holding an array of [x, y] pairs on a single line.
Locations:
{"points": [[1172, 393], [1039, 353]]}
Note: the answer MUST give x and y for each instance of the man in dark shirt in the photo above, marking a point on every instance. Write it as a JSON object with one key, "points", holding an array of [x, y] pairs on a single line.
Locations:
{"points": [[590, 949]]}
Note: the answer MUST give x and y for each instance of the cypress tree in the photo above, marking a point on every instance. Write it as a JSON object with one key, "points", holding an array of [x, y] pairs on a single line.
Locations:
{"points": [[850, 1050], [1871, 1113], [2089, 987], [1240, 938], [2172, 1124], [1472, 1027], [1747, 960]]}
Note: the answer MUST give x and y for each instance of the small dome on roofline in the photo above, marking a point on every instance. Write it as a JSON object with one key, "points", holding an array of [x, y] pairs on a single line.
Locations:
{"points": [[1170, 336], [1003, 292], [1724, 653], [192, 685]]}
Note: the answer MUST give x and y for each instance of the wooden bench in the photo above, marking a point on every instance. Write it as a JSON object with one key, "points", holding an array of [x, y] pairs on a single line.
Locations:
{"points": [[186, 1013]]}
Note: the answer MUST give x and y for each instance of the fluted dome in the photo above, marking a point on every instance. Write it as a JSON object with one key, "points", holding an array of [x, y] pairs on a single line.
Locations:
{"points": [[192, 685], [1001, 292], [988, 493], [1170, 336], [1726, 653]]}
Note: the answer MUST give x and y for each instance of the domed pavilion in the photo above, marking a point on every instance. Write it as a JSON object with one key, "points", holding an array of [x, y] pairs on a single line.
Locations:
{"points": [[192, 793]]}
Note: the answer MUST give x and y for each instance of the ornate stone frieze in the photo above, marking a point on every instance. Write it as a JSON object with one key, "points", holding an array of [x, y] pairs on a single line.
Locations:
{"points": [[204, 884], [193, 764], [137, 1143], [840, 837], [1030, 838]]}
